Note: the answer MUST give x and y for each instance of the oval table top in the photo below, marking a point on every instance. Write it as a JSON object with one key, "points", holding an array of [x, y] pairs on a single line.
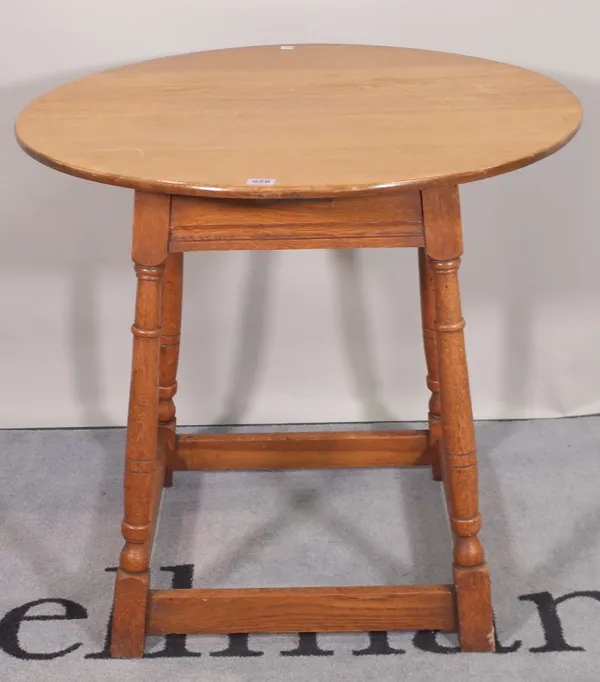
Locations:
{"points": [[299, 120]]}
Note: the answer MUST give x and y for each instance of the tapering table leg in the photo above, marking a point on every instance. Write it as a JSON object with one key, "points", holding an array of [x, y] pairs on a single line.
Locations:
{"points": [[141, 458], [471, 578], [169, 357], [430, 344]]}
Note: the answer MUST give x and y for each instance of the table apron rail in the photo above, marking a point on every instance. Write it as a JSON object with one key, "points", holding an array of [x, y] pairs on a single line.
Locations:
{"points": [[390, 220]]}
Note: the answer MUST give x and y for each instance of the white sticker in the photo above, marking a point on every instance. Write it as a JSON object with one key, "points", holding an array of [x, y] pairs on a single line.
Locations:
{"points": [[287, 47], [261, 181]]}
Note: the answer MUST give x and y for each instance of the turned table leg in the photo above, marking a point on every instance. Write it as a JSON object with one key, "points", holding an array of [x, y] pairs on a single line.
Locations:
{"points": [[471, 578], [144, 467], [172, 290], [430, 344]]}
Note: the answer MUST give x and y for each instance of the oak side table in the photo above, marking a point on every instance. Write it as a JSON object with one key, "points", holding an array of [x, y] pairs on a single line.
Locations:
{"points": [[298, 147]]}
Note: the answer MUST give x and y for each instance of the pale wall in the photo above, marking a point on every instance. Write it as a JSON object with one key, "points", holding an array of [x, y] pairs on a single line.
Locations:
{"points": [[304, 336]]}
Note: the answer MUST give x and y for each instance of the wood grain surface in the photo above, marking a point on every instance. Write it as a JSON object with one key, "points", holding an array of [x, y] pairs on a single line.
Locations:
{"points": [[144, 459], [303, 450], [302, 609], [318, 120], [171, 303], [427, 289], [444, 245], [392, 219]]}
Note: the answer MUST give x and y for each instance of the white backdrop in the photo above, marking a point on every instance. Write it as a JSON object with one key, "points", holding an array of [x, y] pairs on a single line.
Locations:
{"points": [[299, 336]]}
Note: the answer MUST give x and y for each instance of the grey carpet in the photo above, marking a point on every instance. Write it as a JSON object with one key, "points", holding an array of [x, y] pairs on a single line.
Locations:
{"points": [[60, 510]]}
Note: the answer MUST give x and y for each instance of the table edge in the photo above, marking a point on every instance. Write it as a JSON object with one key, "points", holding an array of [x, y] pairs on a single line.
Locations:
{"points": [[298, 192]]}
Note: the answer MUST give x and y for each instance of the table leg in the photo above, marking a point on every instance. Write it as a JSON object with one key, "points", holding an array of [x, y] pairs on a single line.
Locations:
{"points": [[169, 357], [443, 234], [144, 465], [430, 344]]}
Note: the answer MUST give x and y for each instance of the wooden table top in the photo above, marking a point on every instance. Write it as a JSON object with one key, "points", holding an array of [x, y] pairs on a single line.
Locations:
{"points": [[310, 120]]}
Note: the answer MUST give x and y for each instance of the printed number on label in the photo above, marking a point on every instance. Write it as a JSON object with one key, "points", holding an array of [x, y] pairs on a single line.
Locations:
{"points": [[260, 181]]}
